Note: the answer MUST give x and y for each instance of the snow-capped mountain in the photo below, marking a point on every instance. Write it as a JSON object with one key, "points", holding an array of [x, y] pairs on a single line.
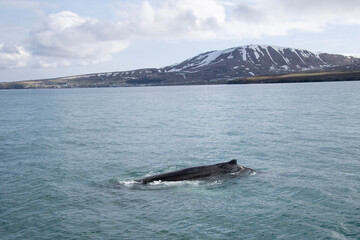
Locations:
{"points": [[259, 59], [232, 63], [236, 62], [215, 66]]}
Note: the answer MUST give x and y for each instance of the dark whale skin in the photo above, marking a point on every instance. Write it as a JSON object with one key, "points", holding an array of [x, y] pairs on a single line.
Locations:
{"points": [[199, 172]]}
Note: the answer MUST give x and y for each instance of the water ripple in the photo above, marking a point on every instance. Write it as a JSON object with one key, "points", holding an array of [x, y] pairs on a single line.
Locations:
{"points": [[67, 160]]}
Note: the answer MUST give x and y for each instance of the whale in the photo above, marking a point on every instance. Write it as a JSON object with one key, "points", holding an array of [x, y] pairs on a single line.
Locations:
{"points": [[201, 172]]}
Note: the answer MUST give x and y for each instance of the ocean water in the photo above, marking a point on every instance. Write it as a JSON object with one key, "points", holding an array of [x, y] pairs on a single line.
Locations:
{"points": [[68, 159]]}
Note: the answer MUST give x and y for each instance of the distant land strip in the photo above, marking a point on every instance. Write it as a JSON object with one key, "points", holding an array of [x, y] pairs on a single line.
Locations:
{"points": [[280, 78], [300, 77]]}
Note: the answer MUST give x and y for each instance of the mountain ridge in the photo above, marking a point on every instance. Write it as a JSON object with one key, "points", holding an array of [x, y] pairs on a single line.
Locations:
{"points": [[218, 66]]}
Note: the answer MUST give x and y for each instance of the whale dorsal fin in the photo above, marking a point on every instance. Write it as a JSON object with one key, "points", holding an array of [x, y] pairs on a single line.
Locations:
{"points": [[233, 162]]}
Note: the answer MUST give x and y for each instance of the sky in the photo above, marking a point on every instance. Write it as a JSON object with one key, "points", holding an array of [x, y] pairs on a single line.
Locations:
{"points": [[42, 39]]}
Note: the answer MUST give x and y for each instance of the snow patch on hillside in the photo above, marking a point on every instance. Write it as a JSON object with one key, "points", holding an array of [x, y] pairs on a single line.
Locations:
{"points": [[253, 56]]}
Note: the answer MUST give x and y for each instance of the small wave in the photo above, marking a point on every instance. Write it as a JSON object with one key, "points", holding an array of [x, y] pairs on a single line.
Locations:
{"points": [[131, 183], [157, 185], [175, 183], [128, 183], [243, 174]]}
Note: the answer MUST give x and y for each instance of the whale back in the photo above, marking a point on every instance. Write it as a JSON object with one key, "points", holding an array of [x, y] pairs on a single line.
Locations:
{"points": [[197, 172]]}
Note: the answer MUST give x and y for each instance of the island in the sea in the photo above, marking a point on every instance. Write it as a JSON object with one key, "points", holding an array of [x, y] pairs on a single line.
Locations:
{"points": [[239, 65]]}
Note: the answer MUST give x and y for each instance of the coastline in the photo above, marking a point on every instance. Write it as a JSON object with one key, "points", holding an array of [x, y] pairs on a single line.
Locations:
{"points": [[299, 77]]}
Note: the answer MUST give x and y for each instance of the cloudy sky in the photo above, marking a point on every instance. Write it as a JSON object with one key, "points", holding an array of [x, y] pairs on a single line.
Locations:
{"points": [[53, 38]]}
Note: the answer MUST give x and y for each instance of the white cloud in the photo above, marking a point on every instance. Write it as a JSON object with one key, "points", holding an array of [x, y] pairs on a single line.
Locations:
{"points": [[68, 35], [172, 19], [67, 38], [12, 56], [215, 19]]}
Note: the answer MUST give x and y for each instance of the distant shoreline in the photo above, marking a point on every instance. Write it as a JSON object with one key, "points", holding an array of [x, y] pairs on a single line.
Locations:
{"points": [[302, 77]]}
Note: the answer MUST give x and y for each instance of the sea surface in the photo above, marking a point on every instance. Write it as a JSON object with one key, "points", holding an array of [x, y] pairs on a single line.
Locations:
{"points": [[69, 157]]}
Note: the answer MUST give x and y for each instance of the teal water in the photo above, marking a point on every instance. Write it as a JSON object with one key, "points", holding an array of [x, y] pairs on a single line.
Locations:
{"points": [[68, 158]]}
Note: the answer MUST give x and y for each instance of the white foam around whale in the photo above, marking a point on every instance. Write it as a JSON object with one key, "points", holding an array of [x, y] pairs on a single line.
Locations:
{"points": [[132, 184]]}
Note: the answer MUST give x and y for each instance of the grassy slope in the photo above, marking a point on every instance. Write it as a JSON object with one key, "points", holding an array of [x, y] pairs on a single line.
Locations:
{"points": [[301, 77]]}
